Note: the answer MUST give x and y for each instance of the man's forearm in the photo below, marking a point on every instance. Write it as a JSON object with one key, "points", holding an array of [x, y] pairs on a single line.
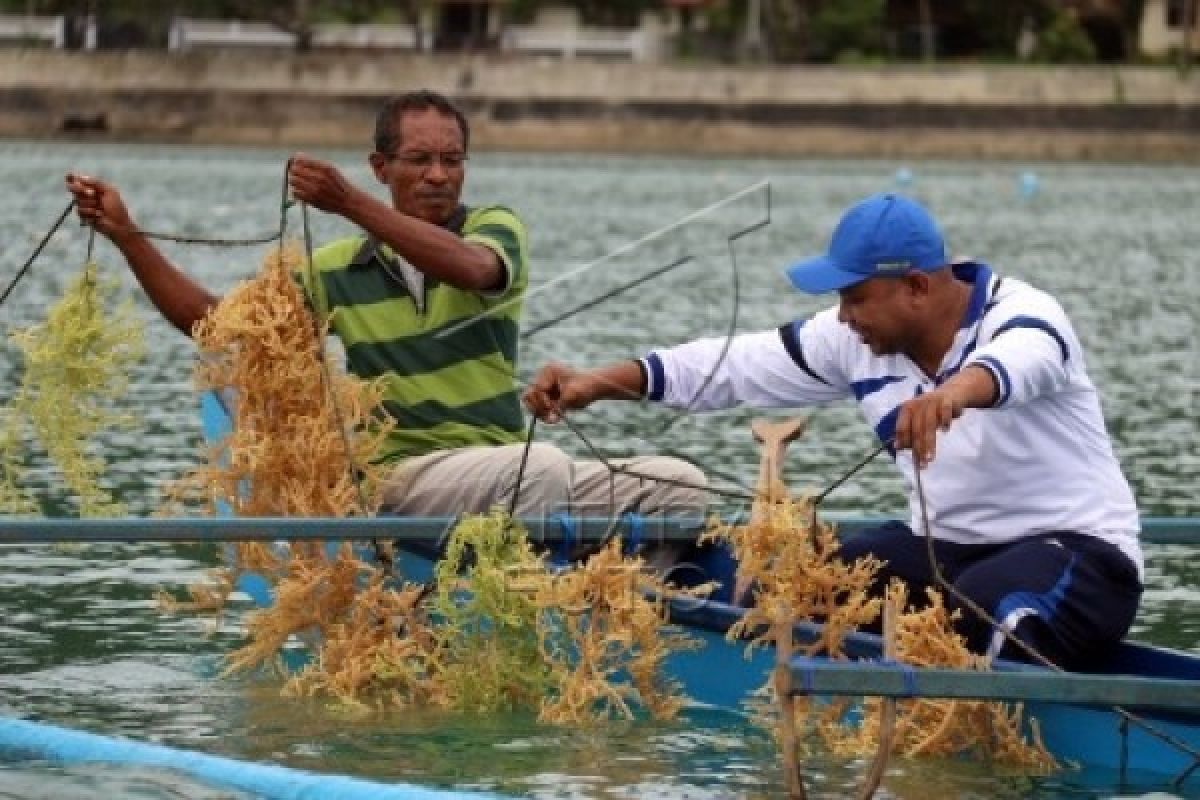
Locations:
{"points": [[623, 380], [182, 301], [434, 251]]}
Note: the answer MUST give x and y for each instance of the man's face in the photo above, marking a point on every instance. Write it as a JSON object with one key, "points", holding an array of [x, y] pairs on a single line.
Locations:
{"points": [[879, 311], [425, 172]]}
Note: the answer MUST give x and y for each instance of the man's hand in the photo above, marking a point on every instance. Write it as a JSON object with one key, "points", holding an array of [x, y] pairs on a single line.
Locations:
{"points": [[320, 185], [558, 388], [99, 205], [922, 417]]}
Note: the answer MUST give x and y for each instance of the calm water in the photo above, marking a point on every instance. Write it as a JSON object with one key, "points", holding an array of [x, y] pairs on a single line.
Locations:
{"points": [[81, 644]]}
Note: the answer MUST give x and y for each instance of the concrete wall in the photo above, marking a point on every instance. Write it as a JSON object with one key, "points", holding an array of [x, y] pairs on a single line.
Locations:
{"points": [[284, 99]]}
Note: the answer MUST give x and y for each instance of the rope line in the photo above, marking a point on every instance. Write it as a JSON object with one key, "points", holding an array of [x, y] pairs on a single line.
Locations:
{"points": [[516, 495], [623, 470], [204, 240], [37, 251], [382, 553]]}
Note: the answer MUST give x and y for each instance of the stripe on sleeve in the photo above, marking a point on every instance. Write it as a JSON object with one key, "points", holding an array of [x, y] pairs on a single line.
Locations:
{"points": [[790, 334], [1037, 324]]}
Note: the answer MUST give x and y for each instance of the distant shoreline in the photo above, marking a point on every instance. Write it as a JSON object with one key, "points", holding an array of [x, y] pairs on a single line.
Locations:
{"points": [[286, 100]]}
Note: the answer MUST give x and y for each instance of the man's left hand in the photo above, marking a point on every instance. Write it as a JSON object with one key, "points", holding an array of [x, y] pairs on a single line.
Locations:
{"points": [[922, 417]]}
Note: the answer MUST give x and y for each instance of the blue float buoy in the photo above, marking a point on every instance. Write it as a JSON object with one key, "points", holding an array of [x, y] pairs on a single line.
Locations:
{"points": [[1027, 184]]}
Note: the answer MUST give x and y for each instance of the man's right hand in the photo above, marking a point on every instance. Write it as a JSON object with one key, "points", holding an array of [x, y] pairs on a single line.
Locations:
{"points": [[100, 205], [558, 388]]}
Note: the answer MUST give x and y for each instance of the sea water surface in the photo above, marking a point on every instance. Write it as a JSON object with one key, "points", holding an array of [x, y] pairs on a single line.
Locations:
{"points": [[81, 642]]}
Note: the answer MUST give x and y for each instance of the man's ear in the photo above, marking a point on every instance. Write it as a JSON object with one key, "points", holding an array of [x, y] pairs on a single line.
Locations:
{"points": [[378, 162], [918, 283]]}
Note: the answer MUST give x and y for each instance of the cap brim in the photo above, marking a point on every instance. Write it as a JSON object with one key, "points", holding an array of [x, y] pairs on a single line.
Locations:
{"points": [[820, 275]]}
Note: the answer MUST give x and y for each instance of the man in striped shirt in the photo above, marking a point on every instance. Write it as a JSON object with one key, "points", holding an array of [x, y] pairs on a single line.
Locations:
{"points": [[979, 383], [428, 298]]}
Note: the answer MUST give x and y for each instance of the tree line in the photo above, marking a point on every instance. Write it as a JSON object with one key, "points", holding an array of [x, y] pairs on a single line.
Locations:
{"points": [[775, 31]]}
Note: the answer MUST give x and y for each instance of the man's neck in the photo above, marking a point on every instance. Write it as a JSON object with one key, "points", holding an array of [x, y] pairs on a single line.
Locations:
{"points": [[945, 314]]}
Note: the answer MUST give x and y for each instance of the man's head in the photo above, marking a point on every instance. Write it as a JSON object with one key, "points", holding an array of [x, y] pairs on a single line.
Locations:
{"points": [[887, 261], [421, 141]]}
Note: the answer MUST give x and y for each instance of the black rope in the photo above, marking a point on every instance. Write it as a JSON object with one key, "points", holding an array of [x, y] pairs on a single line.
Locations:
{"points": [[205, 240], [516, 495], [1025, 647], [37, 251], [610, 294], [623, 470], [852, 472], [265, 238], [382, 552]]}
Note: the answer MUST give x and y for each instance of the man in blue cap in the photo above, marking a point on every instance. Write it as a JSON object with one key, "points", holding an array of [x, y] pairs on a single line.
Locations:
{"points": [[979, 383]]}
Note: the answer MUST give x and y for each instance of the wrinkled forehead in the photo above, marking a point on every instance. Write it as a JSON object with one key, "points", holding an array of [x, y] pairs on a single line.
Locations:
{"points": [[428, 130]]}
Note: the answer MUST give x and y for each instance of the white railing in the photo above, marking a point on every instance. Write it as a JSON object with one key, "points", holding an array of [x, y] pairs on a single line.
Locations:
{"points": [[24, 28], [187, 33], [398, 37], [582, 41]]}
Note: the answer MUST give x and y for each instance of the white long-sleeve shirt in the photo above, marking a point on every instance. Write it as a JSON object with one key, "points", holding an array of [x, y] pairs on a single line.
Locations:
{"points": [[1039, 461]]}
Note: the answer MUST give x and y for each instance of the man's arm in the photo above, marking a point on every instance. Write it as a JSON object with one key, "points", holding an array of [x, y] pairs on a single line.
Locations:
{"points": [[177, 297], [558, 388], [753, 369], [435, 251]]}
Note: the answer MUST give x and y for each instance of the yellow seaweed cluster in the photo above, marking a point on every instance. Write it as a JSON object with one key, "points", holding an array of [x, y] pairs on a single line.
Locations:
{"points": [[77, 365], [607, 640], [301, 445], [990, 731], [487, 630], [792, 562], [501, 631], [303, 435]]}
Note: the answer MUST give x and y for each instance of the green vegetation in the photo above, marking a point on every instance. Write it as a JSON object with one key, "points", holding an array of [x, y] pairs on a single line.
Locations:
{"points": [[779, 31]]}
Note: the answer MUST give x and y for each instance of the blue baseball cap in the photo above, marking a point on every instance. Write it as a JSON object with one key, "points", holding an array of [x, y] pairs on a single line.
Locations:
{"points": [[885, 234]]}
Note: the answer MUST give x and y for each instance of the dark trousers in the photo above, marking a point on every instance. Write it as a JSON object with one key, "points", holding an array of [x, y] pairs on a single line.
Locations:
{"points": [[1068, 595]]}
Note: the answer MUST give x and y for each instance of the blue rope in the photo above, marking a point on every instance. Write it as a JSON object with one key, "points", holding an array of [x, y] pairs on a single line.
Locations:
{"points": [[637, 532], [271, 782], [570, 535]]}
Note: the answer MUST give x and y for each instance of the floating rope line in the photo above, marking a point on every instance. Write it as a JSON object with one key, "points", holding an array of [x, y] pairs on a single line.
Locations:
{"points": [[1032, 652], [37, 251]]}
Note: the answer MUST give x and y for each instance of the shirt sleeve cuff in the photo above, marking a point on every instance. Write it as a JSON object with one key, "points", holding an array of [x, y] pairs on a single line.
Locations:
{"points": [[656, 377], [999, 375]]}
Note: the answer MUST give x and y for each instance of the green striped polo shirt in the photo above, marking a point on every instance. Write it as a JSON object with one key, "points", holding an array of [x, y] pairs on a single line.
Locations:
{"points": [[448, 357]]}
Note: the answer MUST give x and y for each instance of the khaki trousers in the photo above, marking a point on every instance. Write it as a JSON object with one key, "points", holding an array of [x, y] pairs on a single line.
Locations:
{"points": [[476, 479]]}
